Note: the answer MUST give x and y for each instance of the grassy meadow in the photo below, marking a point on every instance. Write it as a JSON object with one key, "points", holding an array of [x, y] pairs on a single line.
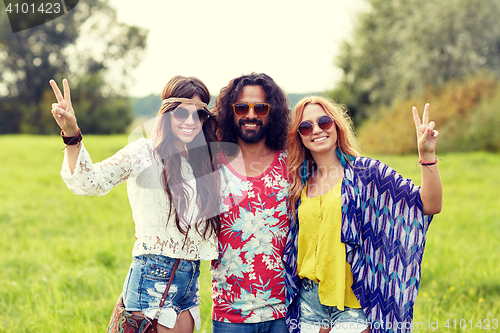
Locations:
{"points": [[64, 258]]}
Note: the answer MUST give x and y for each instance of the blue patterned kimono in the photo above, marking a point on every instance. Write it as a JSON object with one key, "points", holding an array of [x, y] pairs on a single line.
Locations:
{"points": [[384, 230]]}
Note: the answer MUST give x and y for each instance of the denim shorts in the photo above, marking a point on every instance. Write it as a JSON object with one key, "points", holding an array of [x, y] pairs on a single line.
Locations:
{"points": [[146, 282], [315, 314]]}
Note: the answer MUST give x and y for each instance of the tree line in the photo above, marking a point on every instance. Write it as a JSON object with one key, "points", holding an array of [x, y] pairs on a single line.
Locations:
{"points": [[399, 51], [408, 52], [86, 45], [400, 48]]}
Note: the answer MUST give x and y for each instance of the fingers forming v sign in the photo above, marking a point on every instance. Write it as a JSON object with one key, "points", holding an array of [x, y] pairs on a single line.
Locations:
{"points": [[426, 135], [63, 110]]}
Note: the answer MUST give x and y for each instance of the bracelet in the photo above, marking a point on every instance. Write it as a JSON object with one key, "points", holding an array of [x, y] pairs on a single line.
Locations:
{"points": [[72, 140], [428, 163]]}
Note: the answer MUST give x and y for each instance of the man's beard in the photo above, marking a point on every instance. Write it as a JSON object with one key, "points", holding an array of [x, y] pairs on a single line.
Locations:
{"points": [[252, 136]]}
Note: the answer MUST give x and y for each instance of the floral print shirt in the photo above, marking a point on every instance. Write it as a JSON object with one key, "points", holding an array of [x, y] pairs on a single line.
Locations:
{"points": [[248, 284]]}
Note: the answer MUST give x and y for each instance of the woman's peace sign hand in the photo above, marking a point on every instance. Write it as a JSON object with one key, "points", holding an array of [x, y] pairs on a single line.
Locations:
{"points": [[63, 110], [426, 135]]}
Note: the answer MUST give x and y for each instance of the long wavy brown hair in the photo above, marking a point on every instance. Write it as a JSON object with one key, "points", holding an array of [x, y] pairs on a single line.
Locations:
{"points": [[279, 114], [201, 158], [297, 152]]}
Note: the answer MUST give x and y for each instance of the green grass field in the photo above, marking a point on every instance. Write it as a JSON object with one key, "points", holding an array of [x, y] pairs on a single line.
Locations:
{"points": [[64, 258]]}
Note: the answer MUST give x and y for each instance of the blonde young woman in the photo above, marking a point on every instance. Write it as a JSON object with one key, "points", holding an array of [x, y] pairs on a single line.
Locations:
{"points": [[172, 186], [355, 247]]}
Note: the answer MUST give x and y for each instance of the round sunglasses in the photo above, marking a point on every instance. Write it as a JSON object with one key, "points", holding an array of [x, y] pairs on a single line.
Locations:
{"points": [[306, 127], [241, 109], [182, 114]]}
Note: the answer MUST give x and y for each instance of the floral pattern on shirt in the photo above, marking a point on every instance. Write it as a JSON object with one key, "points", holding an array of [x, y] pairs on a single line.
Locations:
{"points": [[248, 284]]}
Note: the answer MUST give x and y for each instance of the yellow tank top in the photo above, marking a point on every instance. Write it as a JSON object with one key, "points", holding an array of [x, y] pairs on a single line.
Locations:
{"points": [[321, 254]]}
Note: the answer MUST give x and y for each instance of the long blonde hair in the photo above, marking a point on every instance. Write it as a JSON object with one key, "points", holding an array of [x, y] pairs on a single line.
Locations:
{"points": [[297, 152]]}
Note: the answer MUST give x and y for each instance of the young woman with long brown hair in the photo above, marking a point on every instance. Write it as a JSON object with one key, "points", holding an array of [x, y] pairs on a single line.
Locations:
{"points": [[172, 185]]}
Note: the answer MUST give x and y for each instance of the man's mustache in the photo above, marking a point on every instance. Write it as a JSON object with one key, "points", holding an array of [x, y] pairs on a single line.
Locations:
{"points": [[243, 121]]}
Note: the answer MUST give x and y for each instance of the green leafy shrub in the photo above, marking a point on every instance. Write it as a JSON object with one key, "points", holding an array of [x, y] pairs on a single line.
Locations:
{"points": [[466, 116]]}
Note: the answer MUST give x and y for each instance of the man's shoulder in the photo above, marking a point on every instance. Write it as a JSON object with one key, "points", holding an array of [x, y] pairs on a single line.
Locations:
{"points": [[281, 160], [282, 155]]}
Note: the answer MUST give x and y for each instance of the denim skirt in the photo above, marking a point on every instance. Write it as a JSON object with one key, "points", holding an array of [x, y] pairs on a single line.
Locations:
{"points": [[146, 282]]}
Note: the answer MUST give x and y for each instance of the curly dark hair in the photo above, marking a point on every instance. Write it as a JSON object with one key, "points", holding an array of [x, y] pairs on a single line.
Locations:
{"points": [[279, 114]]}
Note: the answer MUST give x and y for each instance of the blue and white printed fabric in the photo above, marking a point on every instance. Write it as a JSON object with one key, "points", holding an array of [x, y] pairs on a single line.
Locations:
{"points": [[384, 229]]}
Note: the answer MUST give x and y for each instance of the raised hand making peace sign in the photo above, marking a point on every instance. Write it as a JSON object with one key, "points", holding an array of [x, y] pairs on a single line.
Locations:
{"points": [[63, 110], [426, 135]]}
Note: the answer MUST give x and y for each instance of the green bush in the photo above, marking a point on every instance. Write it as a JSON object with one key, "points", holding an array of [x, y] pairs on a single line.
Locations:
{"points": [[483, 125], [465, 114]]}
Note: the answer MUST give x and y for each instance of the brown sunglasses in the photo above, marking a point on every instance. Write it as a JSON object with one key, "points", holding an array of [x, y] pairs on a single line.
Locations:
{"points": [[241, 109], [324, 122]]}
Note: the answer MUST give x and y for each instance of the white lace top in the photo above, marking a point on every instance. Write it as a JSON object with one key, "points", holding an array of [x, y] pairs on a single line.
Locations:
{"points": [[150, 205]]}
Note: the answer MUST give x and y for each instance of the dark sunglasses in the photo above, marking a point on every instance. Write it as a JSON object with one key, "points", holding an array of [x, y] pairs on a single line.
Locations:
{"points": [[306, 127], [182, 114], [241, 109]]}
